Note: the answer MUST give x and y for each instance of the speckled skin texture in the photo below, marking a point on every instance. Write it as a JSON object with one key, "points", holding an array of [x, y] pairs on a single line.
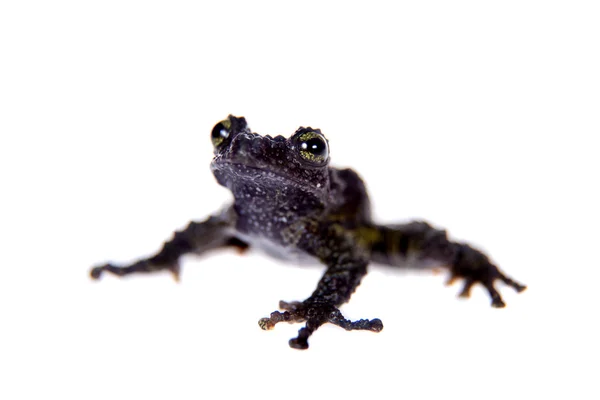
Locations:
{"points": [[290, 202]]}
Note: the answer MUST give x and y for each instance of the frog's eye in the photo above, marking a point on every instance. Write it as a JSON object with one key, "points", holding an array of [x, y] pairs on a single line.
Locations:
{"points": [[220, 132], [313, 147]]}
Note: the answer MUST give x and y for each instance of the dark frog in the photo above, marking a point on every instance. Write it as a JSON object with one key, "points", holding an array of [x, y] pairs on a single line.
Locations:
{"points": [[291, 203]]}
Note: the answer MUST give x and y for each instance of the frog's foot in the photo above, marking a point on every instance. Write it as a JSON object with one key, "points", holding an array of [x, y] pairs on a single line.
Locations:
{"points": [[315, 315], [140, 266], [475, 267]]}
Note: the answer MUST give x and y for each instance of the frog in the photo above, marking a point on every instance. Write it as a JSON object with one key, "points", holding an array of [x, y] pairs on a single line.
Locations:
{"points": [[289, 202]]}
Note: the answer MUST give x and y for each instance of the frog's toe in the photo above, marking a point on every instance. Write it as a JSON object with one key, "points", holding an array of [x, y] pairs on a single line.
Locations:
{"points": [[512, 283], [497, 301], [265, 324], [466, 290], [96, 272], [290, 306], [373, 325], [299, 343], [275, 317]]}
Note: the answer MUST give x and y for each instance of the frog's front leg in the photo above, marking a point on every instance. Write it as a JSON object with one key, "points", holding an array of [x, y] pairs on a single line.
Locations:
{"points": [[346, 266], [197, 237], [335, 288]]}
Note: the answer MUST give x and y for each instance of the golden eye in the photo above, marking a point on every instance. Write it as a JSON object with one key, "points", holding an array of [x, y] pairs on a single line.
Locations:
{"points": [[313, 147], [220, 132]]}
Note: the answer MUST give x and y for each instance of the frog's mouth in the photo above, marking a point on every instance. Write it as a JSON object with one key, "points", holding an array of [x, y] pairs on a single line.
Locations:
{"points": [[234, 174], [249, 173]]}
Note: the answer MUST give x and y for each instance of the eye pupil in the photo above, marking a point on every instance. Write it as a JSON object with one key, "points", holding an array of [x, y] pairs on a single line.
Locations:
{"points": [[315, 146], [220, 132]]}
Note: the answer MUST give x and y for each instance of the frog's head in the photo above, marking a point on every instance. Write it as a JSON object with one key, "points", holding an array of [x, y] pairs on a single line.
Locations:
{"points": [[252, 165]]}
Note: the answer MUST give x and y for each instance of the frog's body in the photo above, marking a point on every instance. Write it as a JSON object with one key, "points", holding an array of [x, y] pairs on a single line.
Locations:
{"points": [[346, 206], [292, 204]]}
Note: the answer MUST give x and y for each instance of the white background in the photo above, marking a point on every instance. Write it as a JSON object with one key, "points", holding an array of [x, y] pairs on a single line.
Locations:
{"points": [[482, 117]]}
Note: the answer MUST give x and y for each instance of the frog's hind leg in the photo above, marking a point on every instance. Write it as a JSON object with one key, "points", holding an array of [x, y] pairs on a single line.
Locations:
{"points": [[197, 237], [418, 243]]}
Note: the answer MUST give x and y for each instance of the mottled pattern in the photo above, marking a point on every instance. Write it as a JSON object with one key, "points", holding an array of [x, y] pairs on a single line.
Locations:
{"points": [[288, 201]]}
